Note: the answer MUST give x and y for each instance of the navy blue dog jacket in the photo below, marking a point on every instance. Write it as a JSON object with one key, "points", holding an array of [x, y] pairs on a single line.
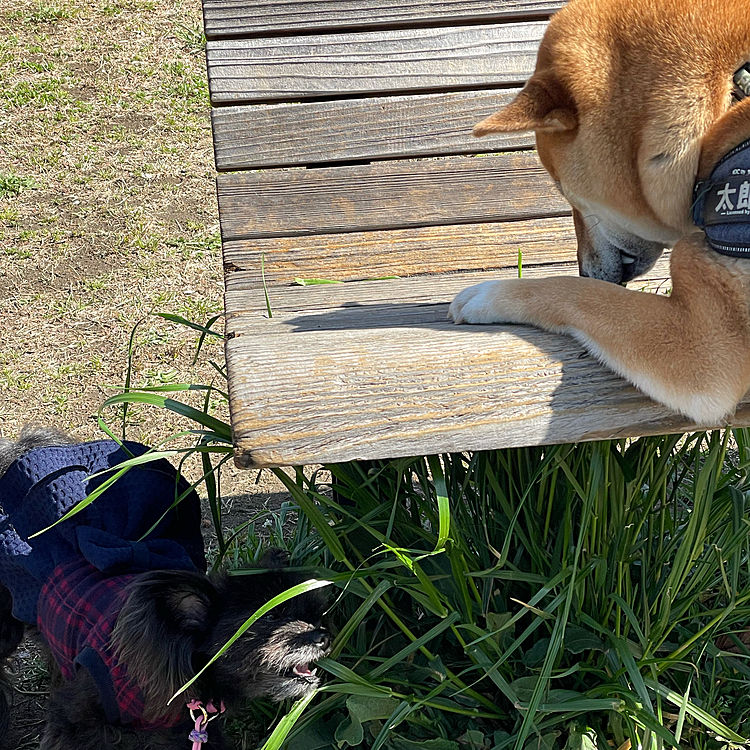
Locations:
{"points": [[45, 483], [69, 581]]}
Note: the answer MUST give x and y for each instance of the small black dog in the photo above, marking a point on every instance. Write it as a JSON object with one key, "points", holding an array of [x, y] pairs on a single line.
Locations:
{"points": [[119, 596]]}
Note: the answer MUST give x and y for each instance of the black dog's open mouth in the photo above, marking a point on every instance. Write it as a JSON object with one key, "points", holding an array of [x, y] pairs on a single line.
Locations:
{"points": [[290, 660], [297, 677], [303, 671]]}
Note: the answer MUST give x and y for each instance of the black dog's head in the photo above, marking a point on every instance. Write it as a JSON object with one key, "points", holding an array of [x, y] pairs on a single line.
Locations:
{"points": [[173, 622], [276, 656]]}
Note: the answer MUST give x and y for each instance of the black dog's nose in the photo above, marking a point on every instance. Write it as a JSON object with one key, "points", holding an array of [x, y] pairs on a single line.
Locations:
{"points": [[321, 639]]}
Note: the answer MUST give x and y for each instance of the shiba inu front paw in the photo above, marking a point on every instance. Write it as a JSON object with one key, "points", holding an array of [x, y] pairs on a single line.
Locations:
{"points": [[482, 304]]}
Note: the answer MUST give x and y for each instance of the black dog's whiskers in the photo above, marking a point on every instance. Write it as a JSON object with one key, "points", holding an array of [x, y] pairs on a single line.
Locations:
{"points": [[130, 622]]}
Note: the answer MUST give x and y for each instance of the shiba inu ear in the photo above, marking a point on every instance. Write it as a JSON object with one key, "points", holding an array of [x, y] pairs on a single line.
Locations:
{"points": [[535, 108]]}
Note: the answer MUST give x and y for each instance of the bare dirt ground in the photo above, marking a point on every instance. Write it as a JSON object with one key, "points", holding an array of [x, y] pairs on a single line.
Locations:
{"points": [[107, 216], [105, 135]]}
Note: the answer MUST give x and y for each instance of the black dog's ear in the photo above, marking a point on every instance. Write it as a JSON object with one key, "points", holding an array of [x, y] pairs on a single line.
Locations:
{"points": [[165, 618], [274, 558]]}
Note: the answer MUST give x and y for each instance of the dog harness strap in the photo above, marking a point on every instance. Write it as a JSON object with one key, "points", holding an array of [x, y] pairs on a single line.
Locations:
{"points": [[92, 662], [721, 204]]}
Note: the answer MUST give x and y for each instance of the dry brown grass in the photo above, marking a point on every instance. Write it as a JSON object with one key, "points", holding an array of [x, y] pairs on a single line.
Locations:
{"points": [[105, 126], [105, 132], [105, 136]]}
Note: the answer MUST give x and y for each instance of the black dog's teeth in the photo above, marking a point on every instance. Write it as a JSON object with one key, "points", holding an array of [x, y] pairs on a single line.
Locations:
{"points": [[303, 670]]}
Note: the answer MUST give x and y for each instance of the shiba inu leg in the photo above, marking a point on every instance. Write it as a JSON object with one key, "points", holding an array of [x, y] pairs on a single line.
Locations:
{"points": [[690, 351]]}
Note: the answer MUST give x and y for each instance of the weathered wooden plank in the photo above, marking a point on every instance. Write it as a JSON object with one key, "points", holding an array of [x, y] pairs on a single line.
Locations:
{"points": [[400, 61], [388, 195], [340, 395], [357, 130], [373, 370], [235, 18], [406, 252], [392, 303]]}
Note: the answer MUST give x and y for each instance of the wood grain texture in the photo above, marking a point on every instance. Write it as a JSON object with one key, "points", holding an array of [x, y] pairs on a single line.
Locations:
{"points": [[235, 18], [336, 396], [254, 136], [400, 61], [373, 369], [391, 303], [389, 195], [406, 252]]}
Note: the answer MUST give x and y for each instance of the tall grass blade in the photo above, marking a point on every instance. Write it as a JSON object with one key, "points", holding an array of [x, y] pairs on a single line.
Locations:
{"points": [[287, 722], [441, 492]]}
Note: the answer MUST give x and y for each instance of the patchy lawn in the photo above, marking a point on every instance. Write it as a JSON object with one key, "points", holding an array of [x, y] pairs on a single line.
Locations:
{"points": [[107, 215], [107, 205]]}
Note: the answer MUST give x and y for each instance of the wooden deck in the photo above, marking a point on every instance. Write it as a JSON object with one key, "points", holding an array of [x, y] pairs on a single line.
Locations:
{"points": [[343, 134]]}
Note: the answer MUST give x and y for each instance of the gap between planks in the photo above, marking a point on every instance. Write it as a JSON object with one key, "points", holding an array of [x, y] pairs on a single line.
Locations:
{"points": [[394, 304], [236, 18]]}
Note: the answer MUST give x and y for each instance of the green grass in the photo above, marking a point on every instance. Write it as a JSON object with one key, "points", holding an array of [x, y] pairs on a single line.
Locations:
{"points": [[9, 216], [192, 37], [48, 14], [38, 93], [12, 379], [186, 88], [12, 185], [587, 586], [36, 67], [548, 597], [197, 244]]}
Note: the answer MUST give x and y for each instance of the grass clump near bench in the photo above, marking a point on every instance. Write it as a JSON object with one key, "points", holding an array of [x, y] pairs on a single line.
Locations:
{"points": [[587, 596]]}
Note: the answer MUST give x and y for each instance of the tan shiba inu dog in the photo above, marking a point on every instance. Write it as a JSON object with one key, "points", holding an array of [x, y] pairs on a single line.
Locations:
{"points": [[632, 103]]}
